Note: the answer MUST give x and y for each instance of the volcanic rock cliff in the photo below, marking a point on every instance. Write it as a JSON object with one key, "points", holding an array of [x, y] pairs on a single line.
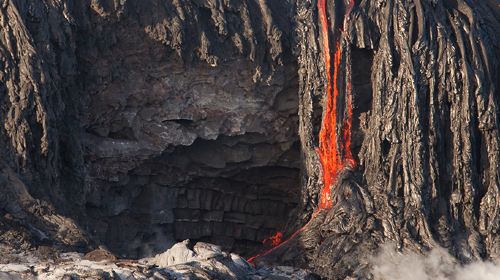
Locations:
{"points": [[136, 124], [154, 121]]}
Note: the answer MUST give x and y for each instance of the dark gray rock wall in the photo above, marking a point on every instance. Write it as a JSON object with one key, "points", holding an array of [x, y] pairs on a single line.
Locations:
{"points": [[424, 80], [190, 118], [150, 121], [38, 69], [40, 157]]}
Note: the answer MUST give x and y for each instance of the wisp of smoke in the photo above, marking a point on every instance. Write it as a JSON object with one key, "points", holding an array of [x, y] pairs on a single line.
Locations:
{"points": [[389, 264]]}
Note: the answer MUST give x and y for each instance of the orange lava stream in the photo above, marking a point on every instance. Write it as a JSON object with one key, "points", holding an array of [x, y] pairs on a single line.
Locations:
{"points": [[334, 152], [333, 159]]}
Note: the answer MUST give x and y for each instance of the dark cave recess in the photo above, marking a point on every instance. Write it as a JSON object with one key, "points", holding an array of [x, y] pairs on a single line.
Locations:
{"points": [[177, 151], [164, 201]]}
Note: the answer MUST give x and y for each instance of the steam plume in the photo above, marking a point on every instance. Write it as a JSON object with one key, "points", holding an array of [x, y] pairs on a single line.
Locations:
{"points": [[438, 264]]}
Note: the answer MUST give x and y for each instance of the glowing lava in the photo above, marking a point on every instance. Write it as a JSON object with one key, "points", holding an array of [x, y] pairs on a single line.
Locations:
{"points": [[274, 240], [334, 145], [334, 153], [252, 259]]}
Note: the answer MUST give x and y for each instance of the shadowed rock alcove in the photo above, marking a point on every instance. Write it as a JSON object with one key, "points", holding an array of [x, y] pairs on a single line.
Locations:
{"points": [[181, 150]]}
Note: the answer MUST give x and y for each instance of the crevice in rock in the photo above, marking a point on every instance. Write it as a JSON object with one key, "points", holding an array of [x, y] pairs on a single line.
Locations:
{"points": [[362, 60]]}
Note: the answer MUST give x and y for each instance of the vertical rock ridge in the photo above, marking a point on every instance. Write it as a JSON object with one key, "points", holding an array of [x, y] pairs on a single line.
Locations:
{"points": [[424, 138]]}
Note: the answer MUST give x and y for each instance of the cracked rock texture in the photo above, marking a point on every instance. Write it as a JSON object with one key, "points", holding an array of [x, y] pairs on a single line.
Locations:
{"points": [[136, 124], [181, 139], [424, 78], [144, 123]]}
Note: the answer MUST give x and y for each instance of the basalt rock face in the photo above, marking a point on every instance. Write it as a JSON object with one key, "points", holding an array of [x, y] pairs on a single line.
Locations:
{"points": [[135, 124], [424, 82], [40, 157], [190, 117], [149, 122]]}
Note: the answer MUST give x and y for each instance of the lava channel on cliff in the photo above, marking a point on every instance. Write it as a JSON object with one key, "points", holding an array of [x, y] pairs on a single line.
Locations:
{"points": [[334, 150]]}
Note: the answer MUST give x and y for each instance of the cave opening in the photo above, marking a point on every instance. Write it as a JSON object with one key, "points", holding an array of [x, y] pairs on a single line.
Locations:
{"points": [[234, 192], [228, 173], [177, 149]]}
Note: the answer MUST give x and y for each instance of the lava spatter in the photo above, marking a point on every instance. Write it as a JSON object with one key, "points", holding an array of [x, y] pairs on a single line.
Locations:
{"points": [[274, 240]]}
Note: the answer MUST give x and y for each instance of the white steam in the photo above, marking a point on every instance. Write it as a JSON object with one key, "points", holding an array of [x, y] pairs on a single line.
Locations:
{"points": [[436, 265]]}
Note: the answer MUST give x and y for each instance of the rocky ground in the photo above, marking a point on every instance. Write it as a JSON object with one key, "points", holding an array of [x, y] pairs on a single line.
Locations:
{"points": [[182, 261]]}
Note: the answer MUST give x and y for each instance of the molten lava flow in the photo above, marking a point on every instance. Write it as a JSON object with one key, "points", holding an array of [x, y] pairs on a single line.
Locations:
{"points": [[274, 240], [333, 159], [252, 259], [334, 150]]}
